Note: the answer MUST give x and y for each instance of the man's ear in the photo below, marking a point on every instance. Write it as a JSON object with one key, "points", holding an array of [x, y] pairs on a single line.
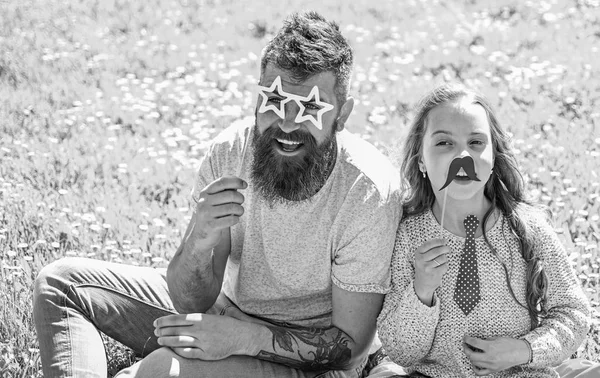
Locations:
{"points": [[345, 113]]}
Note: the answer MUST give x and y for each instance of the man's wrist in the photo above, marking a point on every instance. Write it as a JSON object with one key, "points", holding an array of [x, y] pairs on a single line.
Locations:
{"points": [[201, 239], [256, 337], [198, 245], [197, 249]]}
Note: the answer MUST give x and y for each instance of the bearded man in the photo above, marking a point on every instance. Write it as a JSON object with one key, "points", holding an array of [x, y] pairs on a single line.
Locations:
{"points": [[285, 261]]}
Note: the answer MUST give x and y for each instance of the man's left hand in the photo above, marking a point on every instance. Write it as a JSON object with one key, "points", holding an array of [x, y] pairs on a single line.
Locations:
{"points": [[205, 336], [495, 354]]}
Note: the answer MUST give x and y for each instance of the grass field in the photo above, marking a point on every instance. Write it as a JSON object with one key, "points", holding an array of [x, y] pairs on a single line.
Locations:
{"points": [[107, 106]]}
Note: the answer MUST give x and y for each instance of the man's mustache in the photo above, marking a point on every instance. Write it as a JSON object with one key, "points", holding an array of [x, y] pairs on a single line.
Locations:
{"points": [[466, 163]]}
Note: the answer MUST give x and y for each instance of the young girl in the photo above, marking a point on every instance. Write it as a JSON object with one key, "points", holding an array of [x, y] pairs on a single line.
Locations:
{"points": [[513, 306]]}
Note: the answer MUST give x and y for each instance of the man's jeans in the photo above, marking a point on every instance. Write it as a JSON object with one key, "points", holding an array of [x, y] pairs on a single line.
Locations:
{"points": [[74, 298]]}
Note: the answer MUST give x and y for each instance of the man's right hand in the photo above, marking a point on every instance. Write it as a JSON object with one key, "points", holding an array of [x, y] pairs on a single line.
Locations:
{"points": [[430, 265], [219, 206]]}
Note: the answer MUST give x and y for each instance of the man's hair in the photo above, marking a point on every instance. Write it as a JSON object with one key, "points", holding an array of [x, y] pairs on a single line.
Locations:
{"points": [[308, 44]]}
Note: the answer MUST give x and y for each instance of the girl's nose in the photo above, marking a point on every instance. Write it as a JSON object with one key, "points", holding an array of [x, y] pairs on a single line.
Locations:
{"points": [[464, 153]]}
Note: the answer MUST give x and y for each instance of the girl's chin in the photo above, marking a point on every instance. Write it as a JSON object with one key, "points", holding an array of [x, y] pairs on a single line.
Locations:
{"points": [[460, 194]]}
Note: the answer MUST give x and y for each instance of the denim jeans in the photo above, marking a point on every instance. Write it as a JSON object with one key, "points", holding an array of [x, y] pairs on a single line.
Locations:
{"points": [[74, 298]]}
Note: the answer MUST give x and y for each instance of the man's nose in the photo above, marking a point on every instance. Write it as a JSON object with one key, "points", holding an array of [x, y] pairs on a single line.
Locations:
{"points": [[288, 123]]}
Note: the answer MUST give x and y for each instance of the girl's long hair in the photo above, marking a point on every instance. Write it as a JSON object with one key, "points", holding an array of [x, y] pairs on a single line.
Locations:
{"points": [[505, 189]]}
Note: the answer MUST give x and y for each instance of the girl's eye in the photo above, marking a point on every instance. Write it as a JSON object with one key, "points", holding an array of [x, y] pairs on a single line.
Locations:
{"points": [[275, 100], [477, 142], [443, 143]]}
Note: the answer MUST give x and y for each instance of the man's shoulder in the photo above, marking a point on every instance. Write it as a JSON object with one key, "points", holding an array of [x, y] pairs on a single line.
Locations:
{"points": [[235, 133], [227, 147], [369, 164]]}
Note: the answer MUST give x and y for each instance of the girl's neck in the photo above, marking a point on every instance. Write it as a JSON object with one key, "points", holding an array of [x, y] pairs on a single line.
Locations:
{"points": [[457, 210]]}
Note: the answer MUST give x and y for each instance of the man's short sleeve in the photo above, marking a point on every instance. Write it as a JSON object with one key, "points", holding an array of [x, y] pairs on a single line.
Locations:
{"points": [[367, 233], [223, 157]]}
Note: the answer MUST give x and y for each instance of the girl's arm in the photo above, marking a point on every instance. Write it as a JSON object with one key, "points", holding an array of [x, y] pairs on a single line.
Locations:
{"points": [[406, 326], [565, 327]]}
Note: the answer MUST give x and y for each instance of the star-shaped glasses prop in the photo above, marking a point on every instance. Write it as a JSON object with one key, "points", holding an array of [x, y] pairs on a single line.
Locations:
{"points": [[276, 91]]}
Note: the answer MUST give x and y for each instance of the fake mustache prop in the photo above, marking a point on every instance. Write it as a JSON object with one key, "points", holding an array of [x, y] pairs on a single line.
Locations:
{"points": [[466, 163]]}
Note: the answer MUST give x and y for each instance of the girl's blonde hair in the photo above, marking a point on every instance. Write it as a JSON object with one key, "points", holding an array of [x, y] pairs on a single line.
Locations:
{"points": [[505, 189]]}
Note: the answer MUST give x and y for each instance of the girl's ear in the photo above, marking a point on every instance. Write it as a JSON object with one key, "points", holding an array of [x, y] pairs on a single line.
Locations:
{"points": [[422, 165]]}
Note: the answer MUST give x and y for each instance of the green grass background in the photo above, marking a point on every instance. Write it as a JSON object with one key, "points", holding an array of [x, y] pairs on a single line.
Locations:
{"points": [[107, 106]]}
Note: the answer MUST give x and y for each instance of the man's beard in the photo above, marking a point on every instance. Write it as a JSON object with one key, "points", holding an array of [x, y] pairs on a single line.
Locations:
{"points": [[282, 178]]}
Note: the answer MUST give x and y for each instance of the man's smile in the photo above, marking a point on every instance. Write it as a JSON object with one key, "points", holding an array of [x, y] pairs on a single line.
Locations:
{"points": [[288, 147]]}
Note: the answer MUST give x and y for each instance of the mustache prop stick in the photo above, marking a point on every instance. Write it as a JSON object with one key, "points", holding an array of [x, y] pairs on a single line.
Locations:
{"points": [[468, 166]]}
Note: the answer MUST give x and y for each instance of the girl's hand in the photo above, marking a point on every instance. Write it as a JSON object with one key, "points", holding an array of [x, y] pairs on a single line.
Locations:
{"points": [[430, 265], [495, 354]]}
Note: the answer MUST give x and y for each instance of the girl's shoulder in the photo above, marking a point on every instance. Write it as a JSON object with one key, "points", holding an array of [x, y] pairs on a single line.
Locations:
{"points": [[413, 230], [540, 230], [417, 225], [535, 218]]}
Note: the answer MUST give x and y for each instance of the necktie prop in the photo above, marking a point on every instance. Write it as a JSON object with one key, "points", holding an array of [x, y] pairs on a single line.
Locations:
{"points": [[466, 292], [313, 114]]}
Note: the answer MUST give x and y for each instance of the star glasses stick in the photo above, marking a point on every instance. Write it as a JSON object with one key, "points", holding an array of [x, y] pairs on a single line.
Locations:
{"points": [[246, 140]]}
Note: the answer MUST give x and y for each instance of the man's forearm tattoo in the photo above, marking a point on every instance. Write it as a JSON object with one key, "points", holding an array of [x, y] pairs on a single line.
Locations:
{"points": [[312, 348]]}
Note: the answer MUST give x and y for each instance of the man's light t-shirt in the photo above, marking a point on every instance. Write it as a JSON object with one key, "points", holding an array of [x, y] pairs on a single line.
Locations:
{"points": [[284, 258]]}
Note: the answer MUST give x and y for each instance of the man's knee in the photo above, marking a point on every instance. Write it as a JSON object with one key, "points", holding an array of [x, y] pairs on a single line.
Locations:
{"points": [[162, 363], [56, 277]]}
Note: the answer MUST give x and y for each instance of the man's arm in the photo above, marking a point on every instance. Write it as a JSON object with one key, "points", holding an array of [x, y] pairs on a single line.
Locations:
{"points": [[195, 273], [341, 346]]}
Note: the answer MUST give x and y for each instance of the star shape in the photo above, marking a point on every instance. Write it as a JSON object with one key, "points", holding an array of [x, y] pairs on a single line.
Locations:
{"points": [[325, 107], [275, 87]]}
